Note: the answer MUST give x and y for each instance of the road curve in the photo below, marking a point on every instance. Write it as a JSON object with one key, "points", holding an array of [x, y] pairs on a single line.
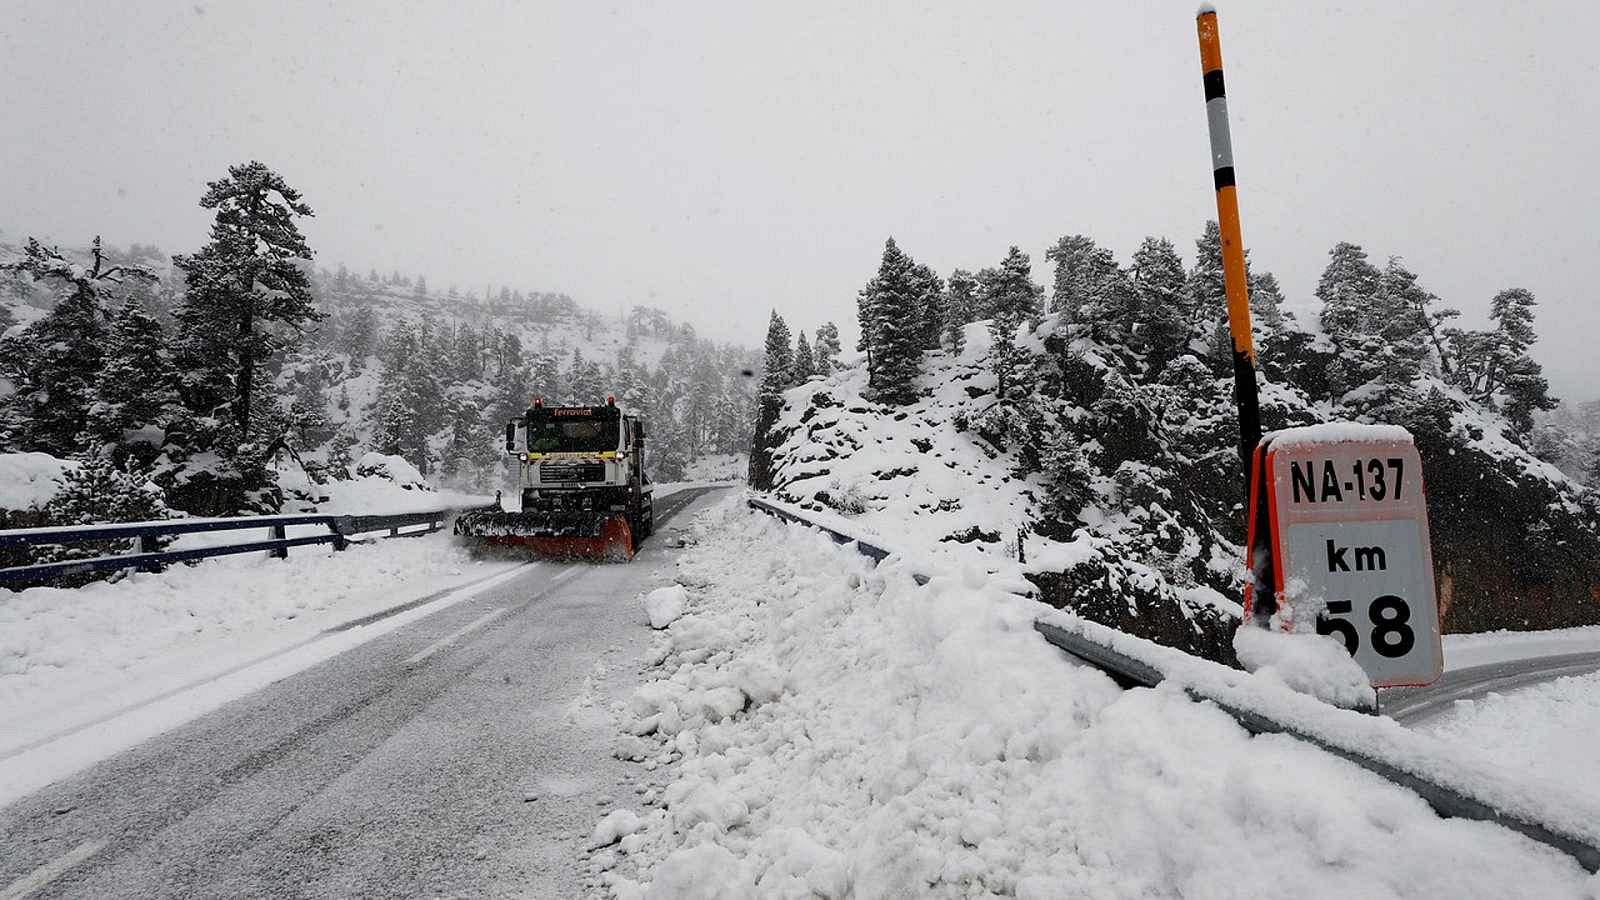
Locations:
{"points": [[467, 754], [1409, 706]]}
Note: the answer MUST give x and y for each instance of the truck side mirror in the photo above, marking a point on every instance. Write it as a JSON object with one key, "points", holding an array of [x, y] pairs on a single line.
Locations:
{"points": [[638, 431], [511, 436]]}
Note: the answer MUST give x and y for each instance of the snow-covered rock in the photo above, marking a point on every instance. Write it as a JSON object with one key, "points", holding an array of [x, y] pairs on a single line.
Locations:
{"points": [[391, 468], [29, 480]]}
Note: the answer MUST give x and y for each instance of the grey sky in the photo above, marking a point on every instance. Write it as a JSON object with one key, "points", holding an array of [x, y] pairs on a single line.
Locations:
{"points": [[718, 160]]}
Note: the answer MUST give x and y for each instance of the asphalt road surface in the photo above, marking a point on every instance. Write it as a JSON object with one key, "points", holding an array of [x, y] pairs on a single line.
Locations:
{"points": [[468, 754], [1412, 705]]}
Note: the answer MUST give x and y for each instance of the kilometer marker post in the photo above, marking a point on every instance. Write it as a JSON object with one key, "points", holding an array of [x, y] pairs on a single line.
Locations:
{"points": [[1233, 275]]}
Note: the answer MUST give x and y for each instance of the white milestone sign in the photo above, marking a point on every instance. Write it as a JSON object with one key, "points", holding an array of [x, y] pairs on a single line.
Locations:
{"points": [[1349, 531]]}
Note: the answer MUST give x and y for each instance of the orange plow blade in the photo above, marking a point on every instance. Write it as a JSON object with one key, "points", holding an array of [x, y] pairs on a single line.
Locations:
{"points": [[614, 544]]}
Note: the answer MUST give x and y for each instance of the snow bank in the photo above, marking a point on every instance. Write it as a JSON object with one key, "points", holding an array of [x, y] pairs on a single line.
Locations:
{"points": [[1463, 651], [29, 479], [67, 653], [1550, 727], [665, 605], [892, 739]]}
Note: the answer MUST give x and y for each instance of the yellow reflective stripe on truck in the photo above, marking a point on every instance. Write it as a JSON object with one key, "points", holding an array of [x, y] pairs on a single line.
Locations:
{"points": [[604, 454]]}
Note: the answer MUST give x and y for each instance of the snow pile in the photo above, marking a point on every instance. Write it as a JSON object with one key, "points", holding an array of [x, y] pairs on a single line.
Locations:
{"points": [[665, 605], [818, 727], [1312, 664], [29, 479], [617, 824]]}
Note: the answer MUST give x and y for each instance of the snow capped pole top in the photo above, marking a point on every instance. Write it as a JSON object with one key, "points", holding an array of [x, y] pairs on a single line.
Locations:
{"points": [[1233, 270]]}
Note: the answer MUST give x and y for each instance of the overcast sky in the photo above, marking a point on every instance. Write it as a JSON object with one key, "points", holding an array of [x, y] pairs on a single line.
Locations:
{"points": [[719, 160]]}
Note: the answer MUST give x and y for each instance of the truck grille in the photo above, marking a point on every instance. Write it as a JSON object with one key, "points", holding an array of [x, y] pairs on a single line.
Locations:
{"points": [[575, 472]]}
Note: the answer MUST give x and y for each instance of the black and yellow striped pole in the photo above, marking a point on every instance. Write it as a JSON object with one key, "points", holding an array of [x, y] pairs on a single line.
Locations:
{"points": [[1233, 277]]}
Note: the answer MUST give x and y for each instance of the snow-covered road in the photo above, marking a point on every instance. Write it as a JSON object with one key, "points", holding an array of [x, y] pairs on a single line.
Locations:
{"points": [[465, 754]]}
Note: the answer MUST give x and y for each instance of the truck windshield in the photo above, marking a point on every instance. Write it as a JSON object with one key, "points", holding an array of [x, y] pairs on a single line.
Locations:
{"points": [[581, 436]]}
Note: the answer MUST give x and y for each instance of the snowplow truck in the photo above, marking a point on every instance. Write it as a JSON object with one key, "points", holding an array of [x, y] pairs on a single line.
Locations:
{"points": [[582, 483]]}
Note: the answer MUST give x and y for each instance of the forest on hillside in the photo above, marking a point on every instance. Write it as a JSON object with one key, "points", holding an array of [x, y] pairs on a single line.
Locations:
{"points": [[237, 377], [1108, 399]]}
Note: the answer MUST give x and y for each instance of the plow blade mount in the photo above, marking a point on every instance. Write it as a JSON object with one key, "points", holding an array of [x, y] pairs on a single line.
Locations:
{"points": [[602, 536]]}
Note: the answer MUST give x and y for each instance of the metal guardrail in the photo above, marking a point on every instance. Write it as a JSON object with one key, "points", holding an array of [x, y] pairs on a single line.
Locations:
{"points": [[149, 557], [1446, 800]]}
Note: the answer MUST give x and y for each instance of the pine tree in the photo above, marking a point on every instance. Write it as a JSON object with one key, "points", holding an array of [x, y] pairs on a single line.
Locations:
{"points": [[826, 349], [1164, 306], [248, 298], [1081, 268], [1011, 297], [1068, 479], [1494, 366], [53, 365], [803, 367], [960, 302], [1347, 289], [545, 377], [137, 388], [769, 400], [893, 306], [928, 291], [780, 360], [341, 455]]}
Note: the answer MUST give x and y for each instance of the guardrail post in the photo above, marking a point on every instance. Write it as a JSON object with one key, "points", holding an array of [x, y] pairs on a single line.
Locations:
{"points": [[278, 534], [147, 544]]}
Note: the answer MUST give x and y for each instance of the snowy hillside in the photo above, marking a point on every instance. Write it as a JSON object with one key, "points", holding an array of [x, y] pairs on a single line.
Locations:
{"points": [[1075, 448], [389, 367]]}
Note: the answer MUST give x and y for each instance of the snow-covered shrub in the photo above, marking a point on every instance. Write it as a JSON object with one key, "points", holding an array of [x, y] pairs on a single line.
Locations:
{"points": [[96, 492]]}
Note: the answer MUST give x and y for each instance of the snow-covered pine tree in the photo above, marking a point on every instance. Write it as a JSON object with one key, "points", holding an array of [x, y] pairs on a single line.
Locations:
{"points": [[960, 301], [826, 349], [1347, 289], [769, 399], [470, 454], [248, 297], [776, 374], [545, 376], [1011, 298], [308, 412], [341, 452], [928, 290], [1079, 267], [136, 392], [1494, 367], [1164, 305], [96, 491], [894, 327], [1069, 480], [804, 367], [53, 364]]}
